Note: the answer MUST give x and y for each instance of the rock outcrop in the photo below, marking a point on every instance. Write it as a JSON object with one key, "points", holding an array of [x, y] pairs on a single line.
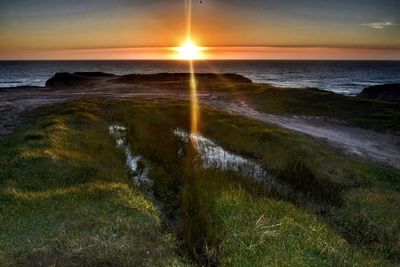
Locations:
{"points": [[180, 77], [385, 92], [62, 79], [65, 79]]}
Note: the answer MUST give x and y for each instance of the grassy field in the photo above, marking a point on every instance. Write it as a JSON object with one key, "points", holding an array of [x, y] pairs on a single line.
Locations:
{"points": [[350, 110], [67, 198], [364, 113], [359, 112]]}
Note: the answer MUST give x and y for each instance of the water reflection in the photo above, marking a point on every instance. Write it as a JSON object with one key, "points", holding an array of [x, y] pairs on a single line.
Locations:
{"points": [[214, 156], [138, 169]]}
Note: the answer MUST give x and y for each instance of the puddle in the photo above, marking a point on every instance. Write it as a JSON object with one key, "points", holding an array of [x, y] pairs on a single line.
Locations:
{"points": [[138, 170], [214, 156]]}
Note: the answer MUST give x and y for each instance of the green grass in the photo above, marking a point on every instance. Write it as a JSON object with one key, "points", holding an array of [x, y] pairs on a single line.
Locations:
{"points": [[354, 111], [364, 113], [349, 110], [371, 217], [265, 232], [67, 199]]}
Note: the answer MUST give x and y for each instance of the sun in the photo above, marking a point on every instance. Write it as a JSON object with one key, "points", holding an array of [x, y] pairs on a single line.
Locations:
{"points": [[189, 51]]}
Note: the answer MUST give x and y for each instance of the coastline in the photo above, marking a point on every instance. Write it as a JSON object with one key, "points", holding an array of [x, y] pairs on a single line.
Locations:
{"points": [[347, 77]]}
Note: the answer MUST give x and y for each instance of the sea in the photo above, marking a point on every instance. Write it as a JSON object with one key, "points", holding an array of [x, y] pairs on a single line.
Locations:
{"points": [[344, 77]]}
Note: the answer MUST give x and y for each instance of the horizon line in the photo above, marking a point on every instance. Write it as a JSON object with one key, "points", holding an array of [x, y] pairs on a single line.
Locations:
{"points": [[200, 60], [210, 53]]}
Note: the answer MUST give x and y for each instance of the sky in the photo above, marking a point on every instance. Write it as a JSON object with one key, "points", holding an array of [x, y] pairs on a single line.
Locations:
{"points": [[228, 29]]}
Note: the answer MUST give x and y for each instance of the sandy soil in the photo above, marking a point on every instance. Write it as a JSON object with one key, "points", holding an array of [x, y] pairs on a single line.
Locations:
{"points": [[380, 147]]}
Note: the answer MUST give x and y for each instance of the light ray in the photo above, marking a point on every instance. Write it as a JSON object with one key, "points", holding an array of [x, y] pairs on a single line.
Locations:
{"points": [[190, 51], [193, 100], [188, 4]]}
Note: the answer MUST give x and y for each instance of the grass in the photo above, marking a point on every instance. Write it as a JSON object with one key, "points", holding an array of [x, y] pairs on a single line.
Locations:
{"points": [[371, 217], [265, 232], [364, 113], [349, 110], [67, 199]]}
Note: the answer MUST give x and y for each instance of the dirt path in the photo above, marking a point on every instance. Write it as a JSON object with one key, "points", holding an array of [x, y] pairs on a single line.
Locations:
{"points": [[380, 147]]}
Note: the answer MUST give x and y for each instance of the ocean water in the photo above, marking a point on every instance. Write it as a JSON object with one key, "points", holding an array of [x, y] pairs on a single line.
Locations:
{"points": [[345, 77]]}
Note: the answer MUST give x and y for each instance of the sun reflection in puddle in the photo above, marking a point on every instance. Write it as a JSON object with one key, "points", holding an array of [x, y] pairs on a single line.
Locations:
{"points": [[214, 156]]}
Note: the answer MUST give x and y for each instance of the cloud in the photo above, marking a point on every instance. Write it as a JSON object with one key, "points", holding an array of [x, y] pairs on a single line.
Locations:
{"points": [[380, 25]]}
